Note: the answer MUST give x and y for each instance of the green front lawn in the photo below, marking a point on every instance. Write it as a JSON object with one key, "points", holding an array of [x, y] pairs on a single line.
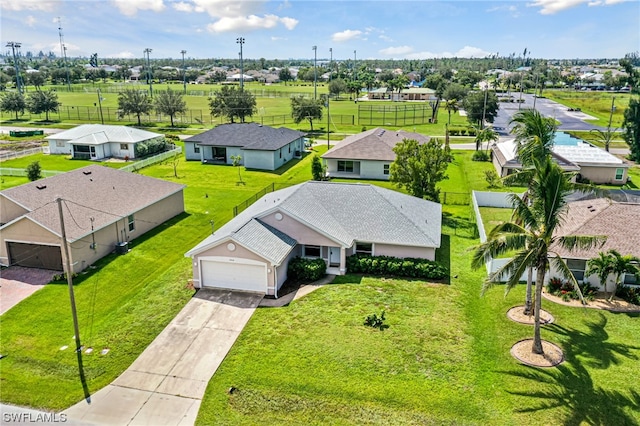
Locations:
{"points": [[61, 163], [443, 360]]}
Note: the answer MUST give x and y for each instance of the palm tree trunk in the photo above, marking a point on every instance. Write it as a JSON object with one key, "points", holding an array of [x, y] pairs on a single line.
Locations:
{"points": [[537, 340], [615, 287], [527, 300]]}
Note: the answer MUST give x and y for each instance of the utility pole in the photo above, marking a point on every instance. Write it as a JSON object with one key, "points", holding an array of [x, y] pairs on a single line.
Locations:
{"points": [[331, 63], [535, 92], [355, 76], [148, 51], [484, 107], [328, 120], [15, 45], [63, 50], [184, 73], [100, 103], [613, 108], [65, 248], [315, 72], [240, 41]]}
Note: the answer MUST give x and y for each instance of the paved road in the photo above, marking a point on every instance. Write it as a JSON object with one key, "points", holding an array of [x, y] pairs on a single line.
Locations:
{"points": [[165, 385]]}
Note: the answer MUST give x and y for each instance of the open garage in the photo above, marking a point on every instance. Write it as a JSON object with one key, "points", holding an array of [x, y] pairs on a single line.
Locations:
{"points": [[234, 273], [35, 255]]}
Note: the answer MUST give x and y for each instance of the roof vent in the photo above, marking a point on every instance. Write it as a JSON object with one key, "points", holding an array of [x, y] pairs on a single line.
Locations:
{"points": [[41, 186], [87, 172], [592, 210], [381, 132]]}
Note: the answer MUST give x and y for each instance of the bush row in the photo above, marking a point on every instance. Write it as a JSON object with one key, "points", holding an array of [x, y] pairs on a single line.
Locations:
{"points": [[630, 294], [150, 147], [565, 290], [387, 265], [302, 269], [461, 131]]}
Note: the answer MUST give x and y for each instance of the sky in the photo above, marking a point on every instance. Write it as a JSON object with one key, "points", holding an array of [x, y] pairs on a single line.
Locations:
{"points": [[288, 29]]}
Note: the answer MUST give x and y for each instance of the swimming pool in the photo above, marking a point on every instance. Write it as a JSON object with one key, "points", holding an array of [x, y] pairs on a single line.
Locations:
{"points": [[562, 138]]}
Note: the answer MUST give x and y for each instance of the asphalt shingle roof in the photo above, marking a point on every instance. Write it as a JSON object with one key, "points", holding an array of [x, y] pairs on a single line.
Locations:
{"points": [[261, 238], [374, 144], [346, 213], [251, 136], [102, 133], [99, 192], [618, 221]]}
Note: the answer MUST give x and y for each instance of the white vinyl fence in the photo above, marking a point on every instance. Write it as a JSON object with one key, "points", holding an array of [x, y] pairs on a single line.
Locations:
{"points": [[19, 154]]}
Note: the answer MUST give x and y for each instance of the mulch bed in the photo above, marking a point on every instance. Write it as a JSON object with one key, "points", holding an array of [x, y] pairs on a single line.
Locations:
{"points": [[551, 357], [600, 302], [517, 314]]}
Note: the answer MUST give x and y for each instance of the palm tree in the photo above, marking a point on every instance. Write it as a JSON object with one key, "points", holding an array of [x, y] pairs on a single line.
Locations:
{"points": [[600, 266], [451, 105], [534, 239], [605, 136], [620, 265], [534, 135]]}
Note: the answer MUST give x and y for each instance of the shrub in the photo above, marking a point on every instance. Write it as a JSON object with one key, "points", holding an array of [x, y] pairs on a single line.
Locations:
{"points": [[150, 147], [565, 290], [34, 171], [480, 156], [303, 269], [393, 266], [492, 178], [376, 321], [629, 294]]}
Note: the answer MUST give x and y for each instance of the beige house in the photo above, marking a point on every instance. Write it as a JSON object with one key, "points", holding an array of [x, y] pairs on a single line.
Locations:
{"points": [[103, 209], [323, 220], [367, 155]]}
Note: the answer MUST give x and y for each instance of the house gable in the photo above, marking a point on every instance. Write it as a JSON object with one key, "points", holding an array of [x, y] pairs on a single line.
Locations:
{"points": [[301, 232]]}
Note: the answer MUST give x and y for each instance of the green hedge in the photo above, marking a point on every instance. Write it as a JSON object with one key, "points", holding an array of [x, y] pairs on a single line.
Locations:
{"points": [[152, 146], [303, 269], [387, 265]]}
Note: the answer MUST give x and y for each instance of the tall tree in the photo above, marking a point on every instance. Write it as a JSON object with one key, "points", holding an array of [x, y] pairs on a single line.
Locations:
{"points": [[474, 105], [534, 135], [620, 265], [451, 105], [631, 125], [604, 136], [37, 79], [43, 101], [337, 86], [532, 237], [600, 266], [170, 103], [420, 167], [303, 108], [232, 102], [133, 101], [484, 135], [13, 102], [285, 75]]}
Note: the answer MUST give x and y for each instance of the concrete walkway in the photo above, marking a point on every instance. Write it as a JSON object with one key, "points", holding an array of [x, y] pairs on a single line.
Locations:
{"points": [[165, 385], [295, 295]]}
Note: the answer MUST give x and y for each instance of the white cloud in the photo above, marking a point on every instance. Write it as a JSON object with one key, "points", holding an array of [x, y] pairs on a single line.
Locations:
{"points": [[472, 52], [465, 52], [550, 7], [396, 51], [510, 9], [385, 38], [43, 5], [251, 22], [228, 8], [346, 35], [183, 7], [131, 7], [30, 21], [284, 5], [278, 38], [124, 55]]}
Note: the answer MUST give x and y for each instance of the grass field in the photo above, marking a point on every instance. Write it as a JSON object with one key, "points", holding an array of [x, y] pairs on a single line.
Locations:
{"points": [[443, 360], [597, 104]]}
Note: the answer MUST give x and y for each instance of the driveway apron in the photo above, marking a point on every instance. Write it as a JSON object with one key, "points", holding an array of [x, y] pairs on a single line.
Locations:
{"points": [[166, 383]]}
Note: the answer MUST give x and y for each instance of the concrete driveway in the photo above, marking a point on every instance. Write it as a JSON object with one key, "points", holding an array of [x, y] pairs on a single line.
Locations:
{"points": [[165, 385], [17, 283]]}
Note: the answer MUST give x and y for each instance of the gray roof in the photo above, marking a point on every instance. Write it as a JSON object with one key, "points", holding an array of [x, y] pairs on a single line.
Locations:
{"points": [[375, 144], [601, 217], [95, 134], [99, 192], [345, 213], [265, 240], [252, 136]]}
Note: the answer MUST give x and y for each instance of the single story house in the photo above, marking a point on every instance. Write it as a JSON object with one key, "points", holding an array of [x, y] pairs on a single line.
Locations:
{"points": [[367, 155], [260, 147], [323, 220], [103, 209], [98, 141], [590, 162], [600, 216]]}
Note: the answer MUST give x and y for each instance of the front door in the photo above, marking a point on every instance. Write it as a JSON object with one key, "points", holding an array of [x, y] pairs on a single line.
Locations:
{"points": [[334, 256]]}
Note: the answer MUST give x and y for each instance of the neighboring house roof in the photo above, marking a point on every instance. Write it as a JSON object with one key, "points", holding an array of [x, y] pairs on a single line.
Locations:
{"points": [[265, 240], [96, 134], [251, 136], [506, 154], [95, 192], [601, 217], [375, 144], [343, 212], [587, 154]]}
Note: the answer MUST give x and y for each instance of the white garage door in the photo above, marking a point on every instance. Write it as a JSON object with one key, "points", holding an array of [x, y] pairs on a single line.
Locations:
{"points": [[234, 275]]}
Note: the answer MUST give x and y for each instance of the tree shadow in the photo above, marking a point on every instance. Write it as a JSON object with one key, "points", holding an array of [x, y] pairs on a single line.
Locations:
{"points": [[461, 227], [571, 387], [443, 255]]}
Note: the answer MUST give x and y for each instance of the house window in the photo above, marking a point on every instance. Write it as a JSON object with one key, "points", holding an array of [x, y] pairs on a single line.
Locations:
{"points": [[132, 223], [345, 166], [577, 267], [385, 169], [61, 144], [364, 248], [630, 279], [311, 251], [280, 152], [619, 174], [289, 148], [124, 146], [196, 149]]}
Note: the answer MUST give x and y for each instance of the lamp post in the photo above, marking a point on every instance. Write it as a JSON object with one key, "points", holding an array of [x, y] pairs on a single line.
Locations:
{"points": [[328, 122], [148, 51], [331, 63], [184, 72], [240, 41], [315, 72], [15, 45]]}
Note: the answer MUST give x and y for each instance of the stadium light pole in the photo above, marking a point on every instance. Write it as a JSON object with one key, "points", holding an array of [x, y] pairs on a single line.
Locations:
{"points": [[330, 63], [355, 76], [184, 72], [15, 45], [240, 41], [315, 72], [148, 51]]}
